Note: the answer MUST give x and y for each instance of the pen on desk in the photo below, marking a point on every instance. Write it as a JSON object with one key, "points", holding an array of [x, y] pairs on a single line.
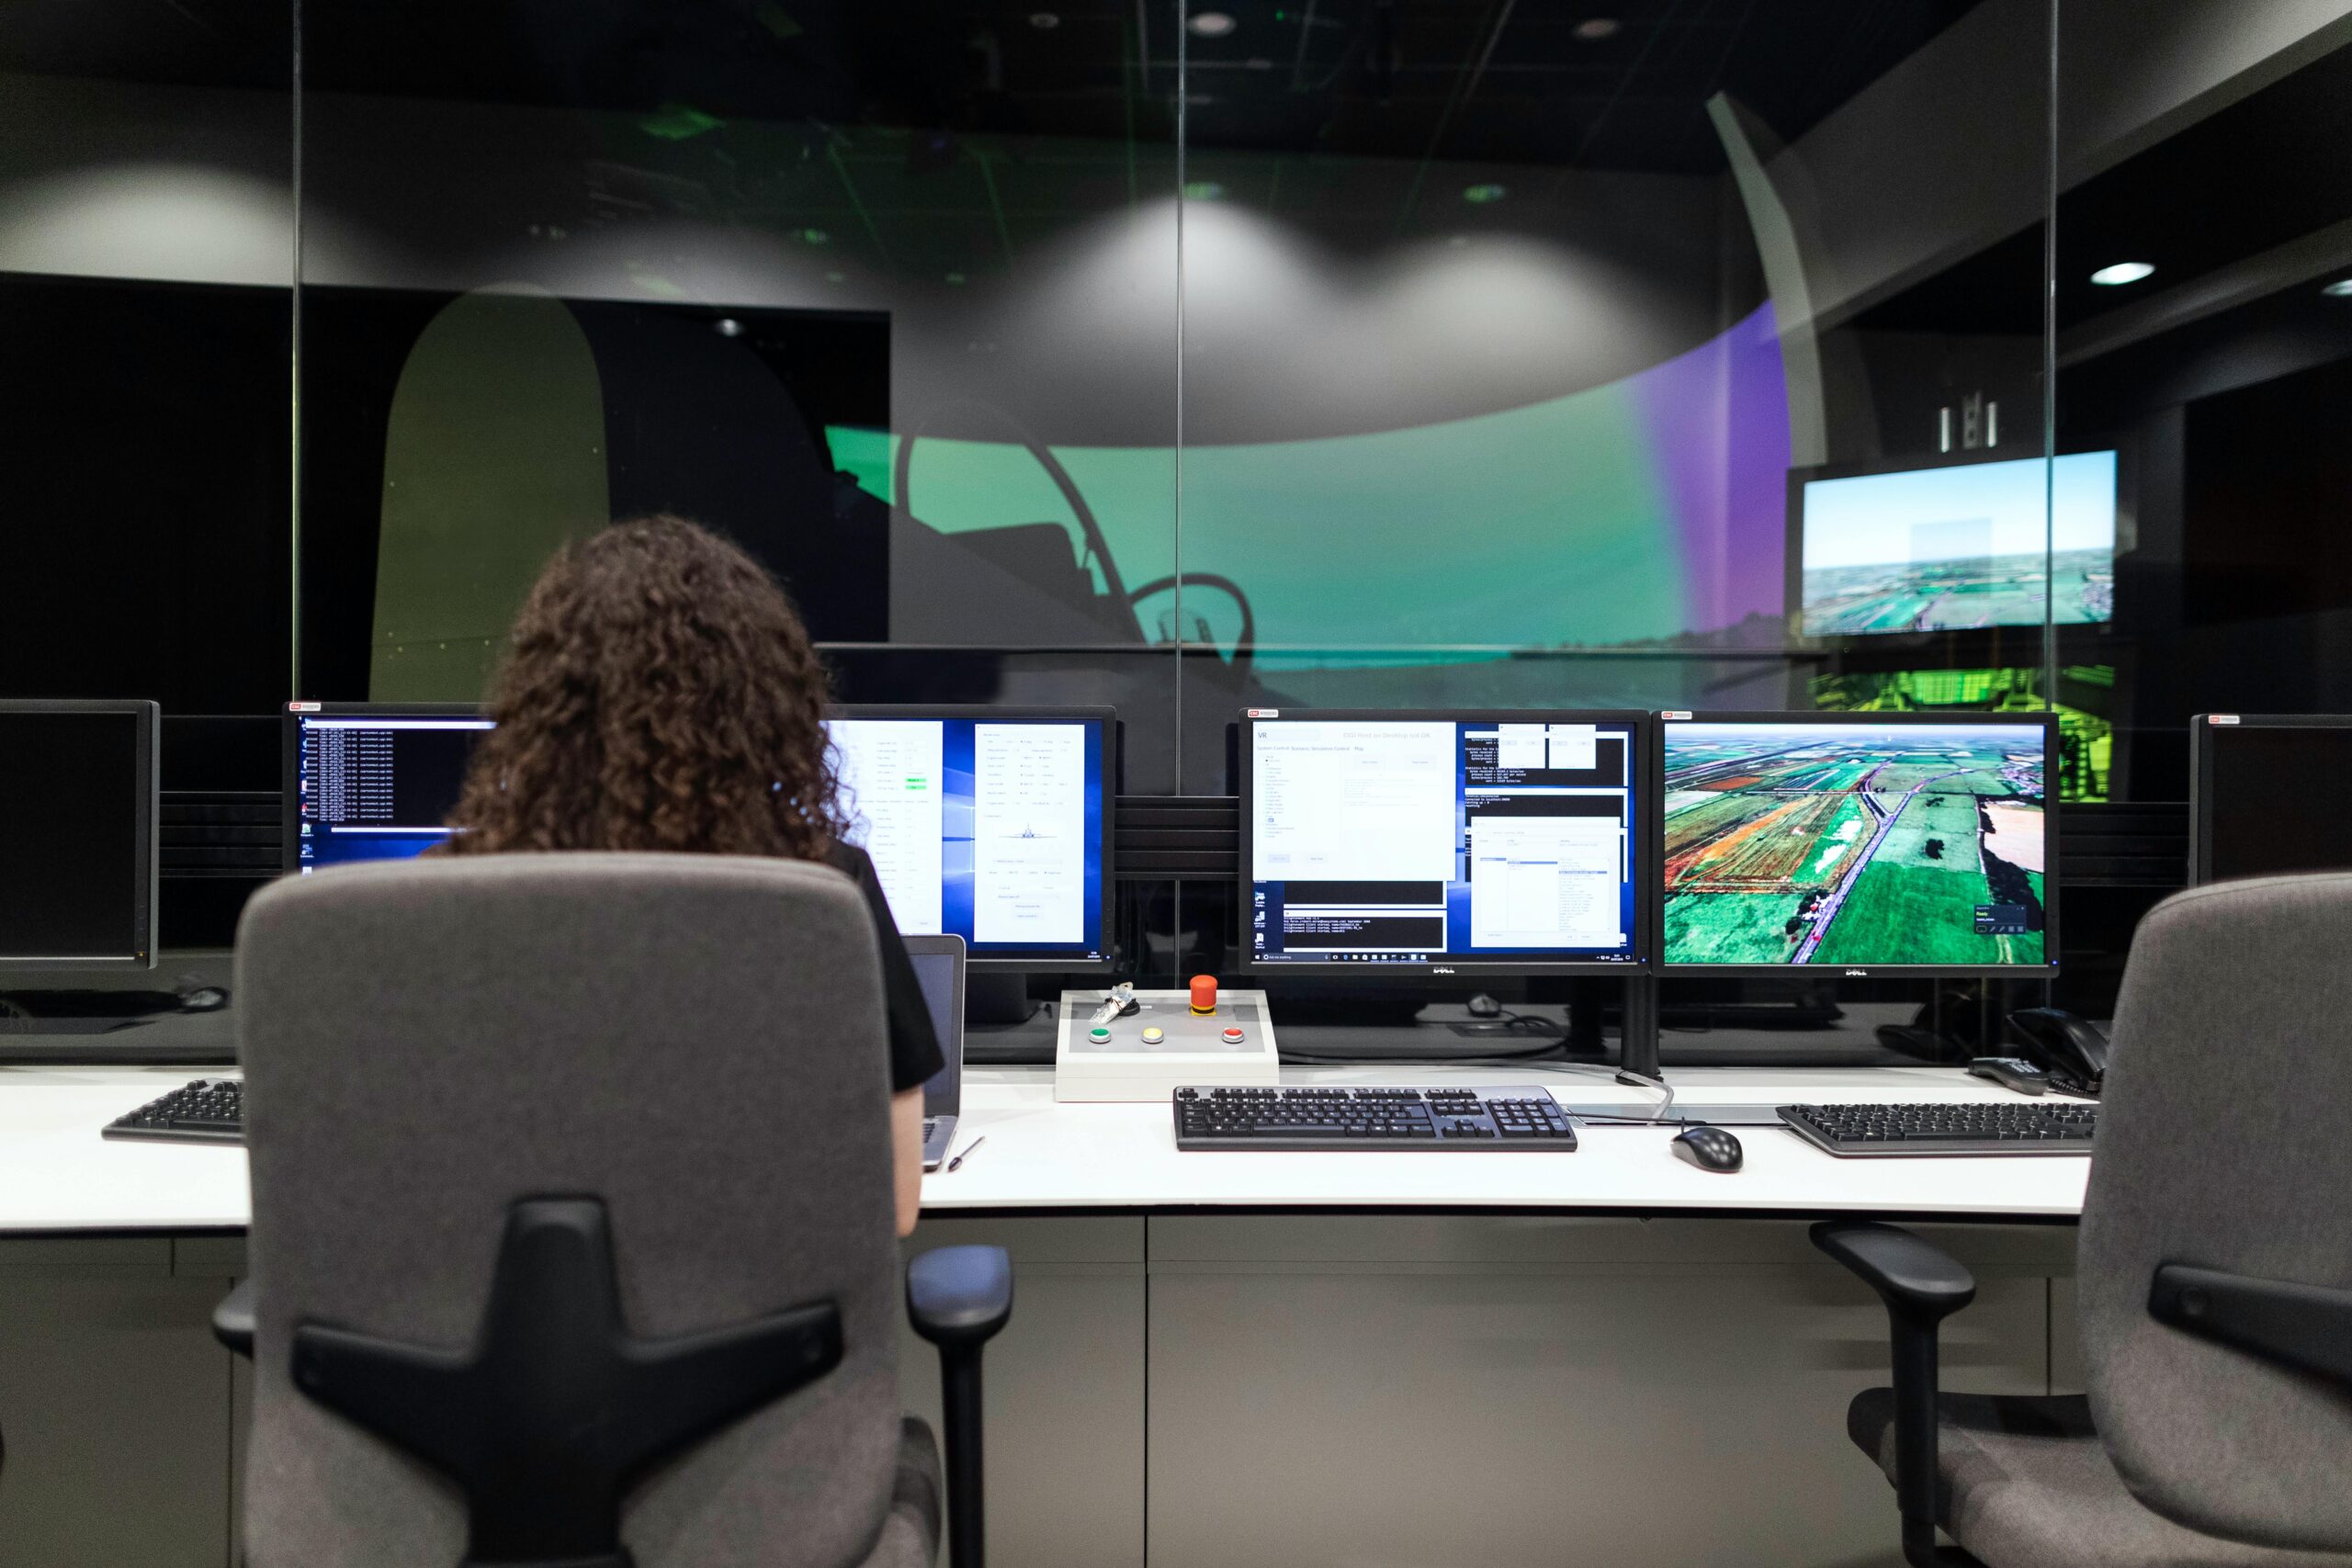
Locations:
{"points": [[974, 1143]]}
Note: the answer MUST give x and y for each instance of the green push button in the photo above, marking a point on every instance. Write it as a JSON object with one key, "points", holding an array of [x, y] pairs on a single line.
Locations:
{"points": [[1098, 1034]]}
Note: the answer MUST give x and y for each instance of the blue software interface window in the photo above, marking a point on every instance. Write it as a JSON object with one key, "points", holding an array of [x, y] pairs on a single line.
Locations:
{"points": [[378, 786], [1440, 842], [990, 829]]}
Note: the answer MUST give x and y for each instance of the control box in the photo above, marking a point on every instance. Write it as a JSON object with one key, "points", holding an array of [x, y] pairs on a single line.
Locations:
{"points": [[1165, 1043]]}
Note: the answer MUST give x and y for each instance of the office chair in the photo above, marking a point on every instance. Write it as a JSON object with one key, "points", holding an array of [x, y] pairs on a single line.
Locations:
{"points": [[572, 1234], [2214, 1272]]}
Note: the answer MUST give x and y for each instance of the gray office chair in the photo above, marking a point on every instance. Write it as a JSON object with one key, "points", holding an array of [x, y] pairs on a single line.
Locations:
{"points": [[2214, 1272], [573, 1230]]}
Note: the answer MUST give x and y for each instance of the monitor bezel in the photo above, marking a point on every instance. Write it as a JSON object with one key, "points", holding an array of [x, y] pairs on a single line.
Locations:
{"points": [[146, 834], [1035, 961], [2204, 731], [2127, 493], [1649, 829], [290, 756], [2046, 722]]}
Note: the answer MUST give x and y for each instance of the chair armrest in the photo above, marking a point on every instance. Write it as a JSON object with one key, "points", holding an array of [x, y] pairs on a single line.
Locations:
{"points": [[232, 1320], [1921, 1285], [1914, 1277], [959, 1296]]}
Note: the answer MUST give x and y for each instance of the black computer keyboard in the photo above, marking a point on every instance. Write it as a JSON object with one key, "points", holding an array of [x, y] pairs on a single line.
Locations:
{"points": [[1975, 1127], [1512, 1118], [209, 1110]]}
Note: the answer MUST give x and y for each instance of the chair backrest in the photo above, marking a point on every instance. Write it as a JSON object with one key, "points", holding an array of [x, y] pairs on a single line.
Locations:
{"points": [[2226, 1143], [696, 1039]]}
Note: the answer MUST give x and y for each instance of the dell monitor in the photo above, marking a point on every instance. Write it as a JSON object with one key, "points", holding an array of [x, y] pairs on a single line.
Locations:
{"points": [[1479, 842], [78, 815], [988, 823], [1956, 546], [1859, 844], [373, 781], [2261, 794]]}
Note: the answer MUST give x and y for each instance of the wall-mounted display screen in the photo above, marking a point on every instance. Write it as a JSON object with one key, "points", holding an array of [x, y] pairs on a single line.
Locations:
{"points": [[1869, 842], [1959, 546]]}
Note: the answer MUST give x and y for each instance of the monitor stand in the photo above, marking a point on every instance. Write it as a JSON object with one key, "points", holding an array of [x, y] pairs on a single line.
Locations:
{"points": [[80, 1011], [996, 996]]}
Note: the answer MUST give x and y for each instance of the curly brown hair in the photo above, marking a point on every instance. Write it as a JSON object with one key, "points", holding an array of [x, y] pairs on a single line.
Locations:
{"points": [[660, 694]]}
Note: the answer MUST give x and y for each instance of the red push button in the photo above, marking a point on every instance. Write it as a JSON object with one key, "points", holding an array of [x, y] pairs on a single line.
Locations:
{"points": [[1233, 1037]]}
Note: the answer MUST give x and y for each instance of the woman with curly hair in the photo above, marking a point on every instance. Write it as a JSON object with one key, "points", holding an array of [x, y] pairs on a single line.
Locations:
{"points": [[660, 694]]}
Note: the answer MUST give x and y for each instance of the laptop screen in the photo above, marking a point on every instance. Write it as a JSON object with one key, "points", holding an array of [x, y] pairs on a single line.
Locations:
{"points": [[938, 974]]}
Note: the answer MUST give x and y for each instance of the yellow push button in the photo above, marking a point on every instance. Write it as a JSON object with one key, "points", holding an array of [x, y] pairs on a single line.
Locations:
{"points": [[1154, 1036]]}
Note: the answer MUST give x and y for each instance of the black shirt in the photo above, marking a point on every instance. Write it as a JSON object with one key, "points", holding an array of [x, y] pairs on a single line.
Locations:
{"points": [[914, 1044]]}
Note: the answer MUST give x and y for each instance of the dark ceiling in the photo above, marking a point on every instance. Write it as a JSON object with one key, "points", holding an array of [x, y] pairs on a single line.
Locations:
{"points": [[1574, 83]]}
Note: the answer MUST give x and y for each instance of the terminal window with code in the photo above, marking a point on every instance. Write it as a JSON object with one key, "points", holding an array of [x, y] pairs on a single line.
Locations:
{"points": [[989, 830], [1440, 841], [379, 788]]}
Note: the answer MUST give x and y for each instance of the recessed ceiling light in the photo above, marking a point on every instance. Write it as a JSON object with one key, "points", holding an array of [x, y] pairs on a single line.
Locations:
{"points": [[1210, 24], [2123, 273], [1202, 190], [1592, 29], [1043, 21], [727, 326], [2340, 289], [1479, 196]]}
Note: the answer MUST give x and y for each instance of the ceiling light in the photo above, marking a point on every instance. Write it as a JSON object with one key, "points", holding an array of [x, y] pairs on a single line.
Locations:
{"points": [[2122, 273], [1479, 196], [1043, 21], [1592, 29], [2340, 289], [1210, 24], [1202, 190], [727, 326]]}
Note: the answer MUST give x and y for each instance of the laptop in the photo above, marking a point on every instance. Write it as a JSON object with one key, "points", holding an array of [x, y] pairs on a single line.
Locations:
{"points": [[939, 970]]}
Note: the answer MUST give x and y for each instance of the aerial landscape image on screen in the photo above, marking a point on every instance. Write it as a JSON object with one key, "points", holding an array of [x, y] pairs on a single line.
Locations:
{"points": [[1955, 548], [1854, 845]]}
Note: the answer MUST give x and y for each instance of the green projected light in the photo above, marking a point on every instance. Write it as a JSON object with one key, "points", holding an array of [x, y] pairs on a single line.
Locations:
{"points": [[2086, 740]]}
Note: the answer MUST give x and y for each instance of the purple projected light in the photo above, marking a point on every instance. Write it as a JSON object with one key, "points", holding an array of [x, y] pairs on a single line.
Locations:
{"points": [[1718, 419]]}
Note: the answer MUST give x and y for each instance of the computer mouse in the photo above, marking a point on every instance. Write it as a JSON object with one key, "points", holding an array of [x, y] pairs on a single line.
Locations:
{"points": [[1709, 1149]]}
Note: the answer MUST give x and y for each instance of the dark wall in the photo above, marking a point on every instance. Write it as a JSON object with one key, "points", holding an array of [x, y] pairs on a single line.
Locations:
{"points": [[144, 432]]}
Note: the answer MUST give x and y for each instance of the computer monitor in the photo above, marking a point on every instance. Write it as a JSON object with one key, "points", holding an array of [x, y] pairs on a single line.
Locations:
{"points": [[2261, 794], [988, 823], [1481, 842], [1956, 545], [78, 808], [1859, 843], [373, 781]]}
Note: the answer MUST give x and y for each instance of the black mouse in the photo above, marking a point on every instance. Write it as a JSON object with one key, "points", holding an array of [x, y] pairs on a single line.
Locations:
{"points": [[1709, 1149]]}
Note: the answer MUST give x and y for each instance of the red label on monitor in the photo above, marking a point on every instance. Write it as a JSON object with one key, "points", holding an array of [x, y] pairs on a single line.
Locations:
{"points": [[303, 708], [2220, 719], [1265, 713], [1675, 712]]}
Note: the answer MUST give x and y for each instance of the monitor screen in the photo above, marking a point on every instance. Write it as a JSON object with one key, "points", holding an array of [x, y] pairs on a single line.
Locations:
{"points": [[1442, 842], [1959, 546], [990, 825], [2265, 797], [375, 782], [1859, 841], [77, 834]]}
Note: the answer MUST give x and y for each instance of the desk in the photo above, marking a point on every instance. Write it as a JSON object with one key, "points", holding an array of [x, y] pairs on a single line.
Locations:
{"points": [[1306, 1359], [57, 1176]]}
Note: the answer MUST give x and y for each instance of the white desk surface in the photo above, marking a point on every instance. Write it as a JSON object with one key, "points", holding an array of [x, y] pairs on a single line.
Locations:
{"points": [[57, 1175]]}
